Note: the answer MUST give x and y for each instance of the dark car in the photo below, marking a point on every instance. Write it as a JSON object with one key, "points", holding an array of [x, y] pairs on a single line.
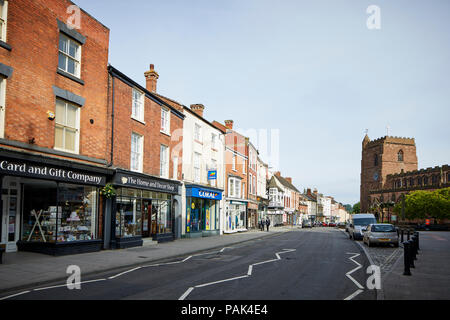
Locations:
{"points": [[332, 224], [432, 227]]}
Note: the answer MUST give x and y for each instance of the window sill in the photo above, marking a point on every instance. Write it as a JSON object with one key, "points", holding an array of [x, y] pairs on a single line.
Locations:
{"points": [[65, 150], [165, 133], [140, 121], [198, 141], [69, 76], [4, 45]]}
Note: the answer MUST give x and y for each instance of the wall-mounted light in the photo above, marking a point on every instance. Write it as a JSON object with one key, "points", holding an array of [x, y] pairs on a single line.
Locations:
{"points": [[50, 115]]}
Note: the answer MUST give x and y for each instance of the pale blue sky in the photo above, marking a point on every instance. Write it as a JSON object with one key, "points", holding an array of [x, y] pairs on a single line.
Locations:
{"points": [[311, 69]]}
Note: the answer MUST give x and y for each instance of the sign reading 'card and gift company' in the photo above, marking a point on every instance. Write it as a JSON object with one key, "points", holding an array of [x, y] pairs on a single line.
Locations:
{"points": [[129, 180], [27, 169]]}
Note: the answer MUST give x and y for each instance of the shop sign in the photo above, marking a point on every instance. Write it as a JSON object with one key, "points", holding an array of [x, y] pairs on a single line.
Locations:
{"points": [[20, 168], [212, 175], [205, 194], [145, 183]]}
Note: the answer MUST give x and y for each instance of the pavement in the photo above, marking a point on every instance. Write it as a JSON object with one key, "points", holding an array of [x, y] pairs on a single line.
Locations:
{"points": [[430, 279], [25, 269]]}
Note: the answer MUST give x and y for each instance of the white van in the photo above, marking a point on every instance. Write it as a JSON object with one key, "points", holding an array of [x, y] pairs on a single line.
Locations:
{"points": [[359, 223]]}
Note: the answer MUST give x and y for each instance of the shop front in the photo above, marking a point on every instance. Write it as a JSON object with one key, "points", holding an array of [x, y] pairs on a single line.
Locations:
{"points": [[263, 205], [202, 217], [252, 213], [142, 208], [50, 206], [236, 216]]}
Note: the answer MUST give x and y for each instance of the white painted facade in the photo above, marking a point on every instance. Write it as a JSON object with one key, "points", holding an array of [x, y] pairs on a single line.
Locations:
{"points": [[203, 150]]}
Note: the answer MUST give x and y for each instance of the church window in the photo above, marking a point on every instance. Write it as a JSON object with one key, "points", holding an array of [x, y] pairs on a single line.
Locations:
{"points": [[400, 155]]}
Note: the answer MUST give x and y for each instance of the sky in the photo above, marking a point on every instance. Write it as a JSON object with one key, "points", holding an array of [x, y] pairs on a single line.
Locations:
{"points": [[311, 72]]}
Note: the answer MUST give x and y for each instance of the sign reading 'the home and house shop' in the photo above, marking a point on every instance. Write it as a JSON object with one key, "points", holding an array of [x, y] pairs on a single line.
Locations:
{"points": [[145, 183], [22, 168]]}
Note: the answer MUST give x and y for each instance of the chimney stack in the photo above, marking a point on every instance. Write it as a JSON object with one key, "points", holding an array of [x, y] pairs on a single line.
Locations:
{"points": [[229, 124], [278, 174], [151, 78], [289, 179], [315, 191], [308, 192], [198, 109]]}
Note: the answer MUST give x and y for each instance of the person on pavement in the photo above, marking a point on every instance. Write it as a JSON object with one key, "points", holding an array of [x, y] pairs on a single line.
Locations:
{"points": [[267, 223]]}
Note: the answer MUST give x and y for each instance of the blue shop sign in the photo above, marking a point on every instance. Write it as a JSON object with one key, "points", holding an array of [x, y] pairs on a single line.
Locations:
{"points": [[204, 193], [212, 175]]}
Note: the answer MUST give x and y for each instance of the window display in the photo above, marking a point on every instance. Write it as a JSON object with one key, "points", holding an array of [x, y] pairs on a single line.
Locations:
{"points": [[201, 214], [128, 217], [74, 219]]}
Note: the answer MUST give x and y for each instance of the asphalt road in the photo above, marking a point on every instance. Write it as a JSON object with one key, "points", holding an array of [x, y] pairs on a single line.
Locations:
{"points": [[316, 264]]}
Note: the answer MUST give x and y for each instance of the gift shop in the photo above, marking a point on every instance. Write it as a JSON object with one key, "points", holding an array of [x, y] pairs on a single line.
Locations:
{"points": [[49, 206], [143, 208], [202, 211]]}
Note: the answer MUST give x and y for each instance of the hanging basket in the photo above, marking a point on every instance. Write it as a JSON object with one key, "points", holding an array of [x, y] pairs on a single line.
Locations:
{"points": [[108, 191]]}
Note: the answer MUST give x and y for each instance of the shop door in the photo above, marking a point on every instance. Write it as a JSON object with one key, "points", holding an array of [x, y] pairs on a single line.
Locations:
{"points": [[146, 218], [153, 219], [10, 221]]}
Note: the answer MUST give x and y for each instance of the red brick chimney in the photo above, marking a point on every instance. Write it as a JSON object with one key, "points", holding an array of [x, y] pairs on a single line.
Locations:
{"points": [[278, 174], [198, 109], [229, 124], [151, 78], [308, 192], [289, 179]]}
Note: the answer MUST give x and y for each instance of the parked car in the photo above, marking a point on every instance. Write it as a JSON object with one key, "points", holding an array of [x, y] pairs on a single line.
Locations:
{"points": [[324, 224], [432, 227], [342, 225], [380, 233], [358, 222], [332, 224], [306, 224]]}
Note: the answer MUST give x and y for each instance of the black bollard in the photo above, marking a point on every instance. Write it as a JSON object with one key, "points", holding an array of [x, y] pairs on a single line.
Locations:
{"points": [[408, 235], [403, 231], [407, 271], [411, 258], [417, 235], [414, 247]]}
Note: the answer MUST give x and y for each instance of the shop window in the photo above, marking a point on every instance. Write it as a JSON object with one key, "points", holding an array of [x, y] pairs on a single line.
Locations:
{"points": [[164, 215], [201, 215], [69, 58], [67, 126], [128, 217], [61, 213]]}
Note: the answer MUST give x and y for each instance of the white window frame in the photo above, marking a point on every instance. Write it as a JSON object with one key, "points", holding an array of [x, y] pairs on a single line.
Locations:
{"points": [[77, 59], [213, 141], [165, 120], [235, 191], [197, 167], [2, 106], [234, 162], [198, 132], [244, 165], [164, 161], [4, 20], [139, 152], [76, 128], [139, 114], [250, 185]]}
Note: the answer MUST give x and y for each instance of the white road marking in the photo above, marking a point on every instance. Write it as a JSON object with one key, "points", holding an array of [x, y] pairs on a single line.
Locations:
{"points": [[354, 294], [125, 272], [14, 295], [65, 285], [249, 273], [361, 288]]}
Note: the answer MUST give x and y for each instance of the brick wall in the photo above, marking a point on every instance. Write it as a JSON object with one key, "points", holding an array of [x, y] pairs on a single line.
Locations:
{"points": [[33, 34], [124, 125]]}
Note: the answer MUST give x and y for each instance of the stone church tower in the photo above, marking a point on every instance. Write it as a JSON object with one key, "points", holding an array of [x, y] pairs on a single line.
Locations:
{"points": [[383, 156]]}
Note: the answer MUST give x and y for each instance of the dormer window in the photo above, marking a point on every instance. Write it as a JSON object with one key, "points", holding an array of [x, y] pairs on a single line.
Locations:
{"points": [[400, 155]]}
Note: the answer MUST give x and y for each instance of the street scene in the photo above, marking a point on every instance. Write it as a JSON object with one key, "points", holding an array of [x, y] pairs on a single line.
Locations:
{"points": [[224, 151]]}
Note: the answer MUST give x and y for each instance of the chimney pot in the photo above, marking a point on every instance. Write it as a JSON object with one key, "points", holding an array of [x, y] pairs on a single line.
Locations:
{"points": [[151, 78], [198, 109], [229, 124]]}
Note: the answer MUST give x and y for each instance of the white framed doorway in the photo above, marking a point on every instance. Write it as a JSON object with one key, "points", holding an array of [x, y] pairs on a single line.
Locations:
{"points": [[11, 217]]}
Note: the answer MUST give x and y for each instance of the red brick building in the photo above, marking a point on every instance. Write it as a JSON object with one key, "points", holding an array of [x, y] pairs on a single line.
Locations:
{"points": [[389, 169], [236, 183], [145, 147], [53, 126]]}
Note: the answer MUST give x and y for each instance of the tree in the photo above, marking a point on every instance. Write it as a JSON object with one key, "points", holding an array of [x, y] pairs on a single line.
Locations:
{"points": [[348, 208], [426, 204], [356, 208]]}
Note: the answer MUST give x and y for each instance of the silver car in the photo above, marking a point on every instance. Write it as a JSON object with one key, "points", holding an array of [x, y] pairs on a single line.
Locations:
{"points": [[380, 233]]}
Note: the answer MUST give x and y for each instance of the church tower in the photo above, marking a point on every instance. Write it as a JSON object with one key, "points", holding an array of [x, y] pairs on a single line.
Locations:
{"points": [[383, 156]]}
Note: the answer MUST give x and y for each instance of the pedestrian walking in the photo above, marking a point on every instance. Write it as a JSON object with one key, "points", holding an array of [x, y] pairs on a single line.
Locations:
{"points": [[267, 224]]}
